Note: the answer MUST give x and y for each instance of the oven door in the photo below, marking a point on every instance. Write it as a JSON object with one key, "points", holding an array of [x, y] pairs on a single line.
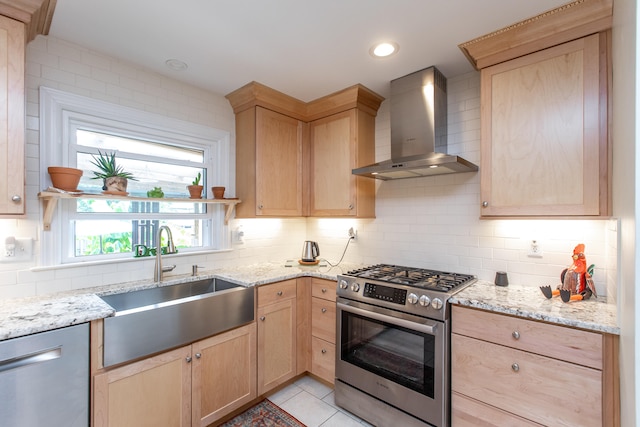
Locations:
{"points": [[398, 358]]}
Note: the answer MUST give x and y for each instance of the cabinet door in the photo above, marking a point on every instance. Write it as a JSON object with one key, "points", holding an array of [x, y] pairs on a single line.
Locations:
{"points": [[278, 164], [224, 374], [12, 112], [152, 392], [276, 344], [544, 142], [333, 187]]}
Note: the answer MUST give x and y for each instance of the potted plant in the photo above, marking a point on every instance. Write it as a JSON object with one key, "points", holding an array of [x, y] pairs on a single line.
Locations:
{"points": [[195, 189], [114, 178]]}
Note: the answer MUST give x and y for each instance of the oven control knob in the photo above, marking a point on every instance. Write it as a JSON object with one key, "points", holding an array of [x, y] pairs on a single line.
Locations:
{"points": [[436, 303], [412, 298], [355, 287], [424, 301], [344, 284]]}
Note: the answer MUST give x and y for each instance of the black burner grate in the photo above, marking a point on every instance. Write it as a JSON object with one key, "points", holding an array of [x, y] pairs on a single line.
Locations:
{"points": [[417, 277]]}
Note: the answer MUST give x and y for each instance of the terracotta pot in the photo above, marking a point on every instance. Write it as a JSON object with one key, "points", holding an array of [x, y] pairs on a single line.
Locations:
{"points": [[218, 192], [115, 184], [65, 178], [195, 191]]}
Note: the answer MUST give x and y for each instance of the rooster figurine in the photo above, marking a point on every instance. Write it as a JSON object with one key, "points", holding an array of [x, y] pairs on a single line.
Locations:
{"points": [[577, 284]]}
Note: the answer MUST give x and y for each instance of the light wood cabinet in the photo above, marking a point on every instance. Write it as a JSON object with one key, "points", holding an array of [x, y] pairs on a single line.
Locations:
{"points": [[516, 371], [12, 117], [190, 386], [224, 374], [323, 329], [277, 330], [338, 144], [295, 158], [544, 137], [268, 163], [152, 392]]}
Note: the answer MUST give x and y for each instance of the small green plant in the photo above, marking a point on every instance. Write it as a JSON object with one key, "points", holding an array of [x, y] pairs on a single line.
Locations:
{"points": [[106, 163], [197, 180], [156, 193]]}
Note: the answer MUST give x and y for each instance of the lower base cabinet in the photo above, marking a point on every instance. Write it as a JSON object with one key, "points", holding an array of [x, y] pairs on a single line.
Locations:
{"points": [[181, 387], [507, 370]]}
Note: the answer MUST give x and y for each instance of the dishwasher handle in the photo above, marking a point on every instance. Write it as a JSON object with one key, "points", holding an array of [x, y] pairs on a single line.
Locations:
{"points": [[30, 359]]}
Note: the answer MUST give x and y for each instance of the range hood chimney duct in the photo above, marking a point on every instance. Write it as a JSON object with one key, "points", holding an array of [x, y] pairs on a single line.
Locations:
{"points": [[418, 130]]}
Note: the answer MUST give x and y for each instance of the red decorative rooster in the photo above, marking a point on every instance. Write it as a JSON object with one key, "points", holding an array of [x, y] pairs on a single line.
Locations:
{"points": [[577, 284]]}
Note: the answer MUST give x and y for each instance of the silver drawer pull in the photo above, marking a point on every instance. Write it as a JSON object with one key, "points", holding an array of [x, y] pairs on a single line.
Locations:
{"points": [[262, 318], [279, 293], [324, 351], [515, 367], [324, 310], [515, 335], [198, 355], [188, 359], [30, 359], [324, 290]]}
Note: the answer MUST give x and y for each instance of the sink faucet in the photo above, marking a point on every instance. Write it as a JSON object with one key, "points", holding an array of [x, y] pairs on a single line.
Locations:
{"points": [[171, 249]]}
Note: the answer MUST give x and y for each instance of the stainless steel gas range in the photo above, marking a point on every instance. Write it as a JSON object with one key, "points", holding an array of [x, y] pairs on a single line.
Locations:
{"points": [[393, 340]]}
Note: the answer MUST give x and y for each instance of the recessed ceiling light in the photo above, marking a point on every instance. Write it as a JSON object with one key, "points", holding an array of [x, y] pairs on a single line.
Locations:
{"points": [[176, 64], [383, 50]]}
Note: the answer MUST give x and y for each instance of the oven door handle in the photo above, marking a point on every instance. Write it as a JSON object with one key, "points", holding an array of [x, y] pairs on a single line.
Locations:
{"points": [[427, 327]]}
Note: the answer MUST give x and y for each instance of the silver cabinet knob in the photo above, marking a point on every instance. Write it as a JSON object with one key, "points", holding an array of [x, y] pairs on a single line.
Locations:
{"points": [[323, 351], [279, 293], [515, 367], [198, 355], [16, 199], [259, 206], [324, 310], [324, 290], [485, 204], [515, 335], [188, 359], [262, 318]]}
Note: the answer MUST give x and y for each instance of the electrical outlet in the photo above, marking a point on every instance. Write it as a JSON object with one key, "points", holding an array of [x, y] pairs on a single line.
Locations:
{"points": [[353, 233], [239, 235], [17, 249], [535, 249]]}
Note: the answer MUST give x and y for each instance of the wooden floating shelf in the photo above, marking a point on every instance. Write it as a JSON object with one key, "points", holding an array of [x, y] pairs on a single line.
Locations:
{"points": [[50, 200]]}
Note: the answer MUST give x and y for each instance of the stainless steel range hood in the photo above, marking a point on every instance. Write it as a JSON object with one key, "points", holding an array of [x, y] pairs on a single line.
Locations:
{"points": [[418, 130]]}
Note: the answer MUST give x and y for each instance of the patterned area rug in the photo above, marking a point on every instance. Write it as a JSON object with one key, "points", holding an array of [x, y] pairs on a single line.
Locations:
{"points": [[264, 414]]}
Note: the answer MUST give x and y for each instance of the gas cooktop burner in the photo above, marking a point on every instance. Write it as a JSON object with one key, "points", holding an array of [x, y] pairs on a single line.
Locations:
{"points": [[416, 277]]}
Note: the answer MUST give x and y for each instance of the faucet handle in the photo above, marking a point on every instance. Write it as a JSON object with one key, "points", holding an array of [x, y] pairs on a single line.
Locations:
{"points": [[194, 269]]}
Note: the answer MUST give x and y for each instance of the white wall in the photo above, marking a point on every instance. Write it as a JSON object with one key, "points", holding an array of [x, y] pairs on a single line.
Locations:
{"points": [[431, 222], [625, 197]]}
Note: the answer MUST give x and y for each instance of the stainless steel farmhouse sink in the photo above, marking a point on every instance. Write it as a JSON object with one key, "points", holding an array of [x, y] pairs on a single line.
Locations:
{"points": [[152, 320]]}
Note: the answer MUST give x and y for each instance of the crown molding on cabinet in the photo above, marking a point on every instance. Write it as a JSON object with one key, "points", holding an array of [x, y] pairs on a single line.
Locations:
{"points": [[562, 24], [35, 14]]}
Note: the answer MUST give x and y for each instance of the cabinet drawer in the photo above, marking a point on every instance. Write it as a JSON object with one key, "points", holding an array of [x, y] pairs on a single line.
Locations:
{"points": [[323, 319], [559, 342], [542, 389], [275, 292], [467, 412], [323, 359], [324, 289]]}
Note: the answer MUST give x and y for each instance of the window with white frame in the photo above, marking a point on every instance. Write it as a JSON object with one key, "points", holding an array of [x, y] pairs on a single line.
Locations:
{"points": [[159, 153]]}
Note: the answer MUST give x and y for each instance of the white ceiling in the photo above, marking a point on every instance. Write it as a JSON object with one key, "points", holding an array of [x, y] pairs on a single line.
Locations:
{"points": [[304, 48]]}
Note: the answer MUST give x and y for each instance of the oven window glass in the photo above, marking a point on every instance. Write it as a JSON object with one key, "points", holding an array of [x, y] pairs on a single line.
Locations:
{"points": [[401, 355]]}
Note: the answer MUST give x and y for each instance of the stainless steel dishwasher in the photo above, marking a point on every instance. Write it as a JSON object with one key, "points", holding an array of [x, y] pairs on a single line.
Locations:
{"points": [[44, 379]]}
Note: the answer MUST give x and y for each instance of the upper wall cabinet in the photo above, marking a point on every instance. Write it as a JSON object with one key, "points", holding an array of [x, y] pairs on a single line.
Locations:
{"points": [[545, 147], [295, 158], [12, 117]]}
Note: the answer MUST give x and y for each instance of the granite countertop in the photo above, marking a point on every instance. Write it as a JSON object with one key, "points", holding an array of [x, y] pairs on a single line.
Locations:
{"points": [[595, 314], [24, 316]]}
